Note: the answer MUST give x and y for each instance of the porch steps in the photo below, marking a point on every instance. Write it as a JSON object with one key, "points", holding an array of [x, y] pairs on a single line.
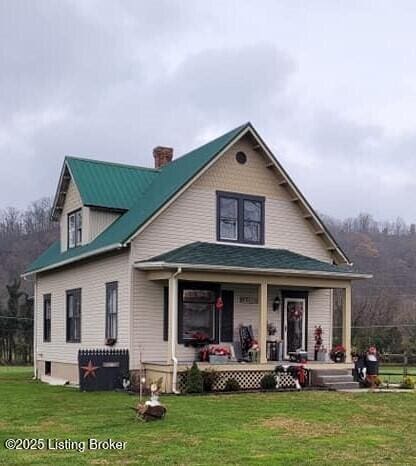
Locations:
{"points": [[335, 379]]}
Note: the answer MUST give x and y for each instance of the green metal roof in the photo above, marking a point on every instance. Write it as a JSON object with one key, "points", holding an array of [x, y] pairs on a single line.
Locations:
{"points": [[246, 257], [162, 185], [109, 185]]}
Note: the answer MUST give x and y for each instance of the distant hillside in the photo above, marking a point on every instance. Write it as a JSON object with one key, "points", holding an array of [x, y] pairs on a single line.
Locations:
{"points": [[385, 305], [388, 251]]}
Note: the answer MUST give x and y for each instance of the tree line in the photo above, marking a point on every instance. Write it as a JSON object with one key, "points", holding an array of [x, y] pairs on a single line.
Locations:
{"points": [[383, 308], [24, 234]]}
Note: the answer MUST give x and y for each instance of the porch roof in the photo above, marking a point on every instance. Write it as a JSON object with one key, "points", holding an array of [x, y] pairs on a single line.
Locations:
{"points": [[249, 259]]}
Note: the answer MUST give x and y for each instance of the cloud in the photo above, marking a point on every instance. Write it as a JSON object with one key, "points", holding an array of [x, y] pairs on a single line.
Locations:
{"points": [[113, 79]]}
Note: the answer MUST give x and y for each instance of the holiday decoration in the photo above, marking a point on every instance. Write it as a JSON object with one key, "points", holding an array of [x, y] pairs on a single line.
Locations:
{"points": [[338, 353], [219, 304], [318, 340]]}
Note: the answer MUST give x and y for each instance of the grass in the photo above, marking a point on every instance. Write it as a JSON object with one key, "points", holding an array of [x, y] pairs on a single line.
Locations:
{"points": [[394, 373], [322, 428]]}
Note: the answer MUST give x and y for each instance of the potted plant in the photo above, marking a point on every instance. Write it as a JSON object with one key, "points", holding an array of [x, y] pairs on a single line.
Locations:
{"points": [[338, 353], [219, 354], [254, 351]]}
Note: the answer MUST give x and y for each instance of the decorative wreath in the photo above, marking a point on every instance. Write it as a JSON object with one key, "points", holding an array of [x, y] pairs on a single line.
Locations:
{"points": [[295, 314]]}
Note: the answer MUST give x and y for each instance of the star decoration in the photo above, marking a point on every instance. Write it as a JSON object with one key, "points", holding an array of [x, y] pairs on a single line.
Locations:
{"points": [[89, 369]]}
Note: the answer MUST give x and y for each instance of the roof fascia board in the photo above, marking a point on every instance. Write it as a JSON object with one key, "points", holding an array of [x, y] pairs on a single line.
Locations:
{"points": [[64, 167], [204, 267], [58, 190], [173, 198]]}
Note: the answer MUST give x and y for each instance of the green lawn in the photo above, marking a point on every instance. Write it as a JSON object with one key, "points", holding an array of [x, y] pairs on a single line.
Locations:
{"points": [[322, 428], [393, 373]]}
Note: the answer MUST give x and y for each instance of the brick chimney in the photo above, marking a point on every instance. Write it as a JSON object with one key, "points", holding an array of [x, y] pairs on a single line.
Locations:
{"points": [[162, 156]]}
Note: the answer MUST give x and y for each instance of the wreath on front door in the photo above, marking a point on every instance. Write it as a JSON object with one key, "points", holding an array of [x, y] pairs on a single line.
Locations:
{"points": [[295, 313]]}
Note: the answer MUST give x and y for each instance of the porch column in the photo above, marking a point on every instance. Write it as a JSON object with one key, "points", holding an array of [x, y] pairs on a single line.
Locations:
{"points": [[172, 317], [346, 321], [263, 322]]}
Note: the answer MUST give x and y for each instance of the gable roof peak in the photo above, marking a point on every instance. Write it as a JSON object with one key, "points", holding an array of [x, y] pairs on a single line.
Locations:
{"points": [[153, 191]]}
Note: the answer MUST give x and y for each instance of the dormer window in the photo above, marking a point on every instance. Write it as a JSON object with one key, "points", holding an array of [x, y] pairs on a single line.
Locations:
{"points": [[75, 229], [240, 218]]}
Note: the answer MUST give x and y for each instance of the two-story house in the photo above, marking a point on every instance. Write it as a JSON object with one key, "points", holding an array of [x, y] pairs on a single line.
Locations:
{"points": [[213, 241]]}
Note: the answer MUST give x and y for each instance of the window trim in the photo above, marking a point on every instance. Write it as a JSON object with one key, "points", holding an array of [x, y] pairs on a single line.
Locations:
{"points": [[109, 287], [70, 214], [47, 335], [240, 217], [75, 291]]}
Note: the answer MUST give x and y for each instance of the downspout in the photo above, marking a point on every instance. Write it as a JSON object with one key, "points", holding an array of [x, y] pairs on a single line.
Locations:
{"points": [[175, 334]]}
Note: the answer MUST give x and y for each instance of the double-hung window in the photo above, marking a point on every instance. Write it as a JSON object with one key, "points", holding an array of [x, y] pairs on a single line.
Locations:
{"points": [[111, 310], [240, 218], [47, 317], [75, 229], [73, 316]]}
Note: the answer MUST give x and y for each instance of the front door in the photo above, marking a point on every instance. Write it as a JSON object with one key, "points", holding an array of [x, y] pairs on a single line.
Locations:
{"points": [[294, 325]]}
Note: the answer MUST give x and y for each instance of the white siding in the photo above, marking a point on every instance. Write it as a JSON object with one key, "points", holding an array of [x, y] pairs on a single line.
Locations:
{"points": [[99, 220], [91, 277], [319, 313], [192, 217]]}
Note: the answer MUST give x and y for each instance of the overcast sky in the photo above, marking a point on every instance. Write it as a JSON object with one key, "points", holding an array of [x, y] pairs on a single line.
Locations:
{"points": [[330, 85]]}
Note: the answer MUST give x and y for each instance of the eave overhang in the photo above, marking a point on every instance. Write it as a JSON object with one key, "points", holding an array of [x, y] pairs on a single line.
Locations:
{"points": [[171, 266]]}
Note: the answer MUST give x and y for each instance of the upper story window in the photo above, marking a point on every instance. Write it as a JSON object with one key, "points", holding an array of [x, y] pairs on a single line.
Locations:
{"points": [[240, 218], [75, 229]]}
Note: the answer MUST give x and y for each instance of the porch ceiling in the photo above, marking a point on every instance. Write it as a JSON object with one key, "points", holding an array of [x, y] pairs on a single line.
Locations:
{"points": [[214, 257]]}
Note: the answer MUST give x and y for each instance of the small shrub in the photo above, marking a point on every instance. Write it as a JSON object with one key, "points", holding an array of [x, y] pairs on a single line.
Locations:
{"points": [[268, 382], [408, 383], [232, 385], [209, 377], [194, 380]]}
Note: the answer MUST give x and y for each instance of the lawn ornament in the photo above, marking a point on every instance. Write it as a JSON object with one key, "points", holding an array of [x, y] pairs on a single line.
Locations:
{"points": [[152, 409]]}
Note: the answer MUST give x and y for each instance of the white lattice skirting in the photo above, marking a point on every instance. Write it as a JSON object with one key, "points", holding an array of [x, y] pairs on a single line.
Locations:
{"points": [[248, 380]]}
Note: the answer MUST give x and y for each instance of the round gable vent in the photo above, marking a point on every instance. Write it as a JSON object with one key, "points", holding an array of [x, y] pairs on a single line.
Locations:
{"points": [[241, 157]]}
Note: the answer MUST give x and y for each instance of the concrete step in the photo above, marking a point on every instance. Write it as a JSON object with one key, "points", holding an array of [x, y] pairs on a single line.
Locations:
{"points": [[324, 379], [343, 385], [320, 372]]}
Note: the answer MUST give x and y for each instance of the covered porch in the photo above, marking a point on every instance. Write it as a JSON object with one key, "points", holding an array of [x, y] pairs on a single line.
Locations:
{"points": [[280, 306]]}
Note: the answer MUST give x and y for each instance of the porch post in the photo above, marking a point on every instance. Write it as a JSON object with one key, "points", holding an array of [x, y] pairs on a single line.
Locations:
{"points": [[172, 317], [346, 322], [263, 322]]}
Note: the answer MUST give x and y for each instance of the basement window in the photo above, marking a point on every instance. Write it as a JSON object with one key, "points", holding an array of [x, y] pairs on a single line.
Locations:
{"points": [[48, 368]]}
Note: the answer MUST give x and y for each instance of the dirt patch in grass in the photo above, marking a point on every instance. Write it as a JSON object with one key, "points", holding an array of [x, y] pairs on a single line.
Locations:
{"points": [[301, 428]]}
